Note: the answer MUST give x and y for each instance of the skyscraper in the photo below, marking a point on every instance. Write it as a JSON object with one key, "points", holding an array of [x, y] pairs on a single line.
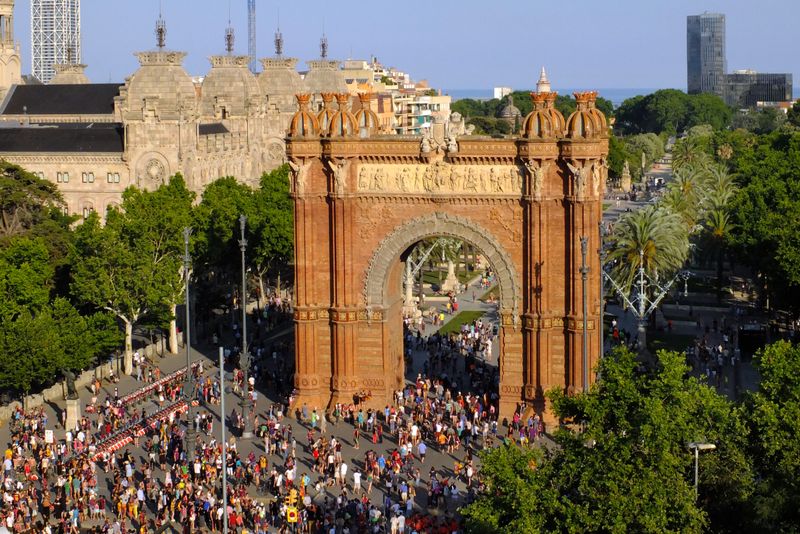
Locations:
{"points": [[55, 35], [705, 53]]}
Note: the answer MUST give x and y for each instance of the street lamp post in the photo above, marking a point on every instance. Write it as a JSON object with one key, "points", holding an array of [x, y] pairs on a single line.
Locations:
{"points": [[188, 385], [697, 447], [245, 360], [645, 305], [602, 254], [584, 275]]}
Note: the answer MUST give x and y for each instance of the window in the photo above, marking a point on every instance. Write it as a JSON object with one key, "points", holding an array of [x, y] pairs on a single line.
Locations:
{"points": [[84, 177], [65, 176], [59, 177], [91, 177], [40, 174], [87, 210], [113, 177]]}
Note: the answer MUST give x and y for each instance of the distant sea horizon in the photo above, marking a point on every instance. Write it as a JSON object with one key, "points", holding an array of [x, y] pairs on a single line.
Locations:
{"points": [[616, 95]]}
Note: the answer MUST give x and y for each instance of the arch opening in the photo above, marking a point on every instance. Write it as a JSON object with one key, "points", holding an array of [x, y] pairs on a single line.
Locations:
{"points": [[395, 284]]}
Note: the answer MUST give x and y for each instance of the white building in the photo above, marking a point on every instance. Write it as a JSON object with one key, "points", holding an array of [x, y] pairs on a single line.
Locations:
{"points": [[501, 92]]}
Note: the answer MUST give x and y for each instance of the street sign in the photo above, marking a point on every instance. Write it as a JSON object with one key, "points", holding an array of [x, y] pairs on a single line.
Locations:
{"points": [[291, 514]]}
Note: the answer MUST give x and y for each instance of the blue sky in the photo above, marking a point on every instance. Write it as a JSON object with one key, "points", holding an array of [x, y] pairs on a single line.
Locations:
{"points": [[462, 44]]}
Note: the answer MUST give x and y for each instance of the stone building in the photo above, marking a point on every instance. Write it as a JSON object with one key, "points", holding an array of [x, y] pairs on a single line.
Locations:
{"points": [[95, 140]]}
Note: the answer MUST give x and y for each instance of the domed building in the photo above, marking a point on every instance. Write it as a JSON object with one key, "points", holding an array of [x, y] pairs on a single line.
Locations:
{"points": [[324, 76], [100, 139], [280, 82], [511, 114], [69, 74]]}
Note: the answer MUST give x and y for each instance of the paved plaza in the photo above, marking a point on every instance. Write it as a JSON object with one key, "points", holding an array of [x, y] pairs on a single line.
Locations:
{"points": [[328, 504]]}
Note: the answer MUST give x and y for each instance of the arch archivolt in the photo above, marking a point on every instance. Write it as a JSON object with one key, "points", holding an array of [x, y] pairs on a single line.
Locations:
{"points": [[440, 224]]}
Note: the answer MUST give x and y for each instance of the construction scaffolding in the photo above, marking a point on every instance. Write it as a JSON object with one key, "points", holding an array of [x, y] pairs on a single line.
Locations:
{"points": [[55, 35]]}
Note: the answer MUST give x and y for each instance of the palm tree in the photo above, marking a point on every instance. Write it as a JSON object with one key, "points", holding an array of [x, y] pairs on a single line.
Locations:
{"points": [[718, 226], [687, 153], [719, 188], [653, 238], [685, 193]]}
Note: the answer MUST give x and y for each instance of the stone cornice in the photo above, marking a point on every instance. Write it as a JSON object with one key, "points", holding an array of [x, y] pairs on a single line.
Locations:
{"points": [[63, 157]]}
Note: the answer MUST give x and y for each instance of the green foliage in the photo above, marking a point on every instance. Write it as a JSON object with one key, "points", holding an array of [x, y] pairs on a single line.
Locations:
{"points": [[29, 352], [760, 121], [25, 277], [273, 221], [217, 221], [470, 108], [490, 126], [25, 199], [110, 272], [671, 111], [774, 429], [764, 211], [628, 469], [793, 115], [652, 237]]}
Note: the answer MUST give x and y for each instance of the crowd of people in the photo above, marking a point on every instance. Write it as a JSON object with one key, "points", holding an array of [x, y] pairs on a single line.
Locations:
{"points": [[353, 469]]}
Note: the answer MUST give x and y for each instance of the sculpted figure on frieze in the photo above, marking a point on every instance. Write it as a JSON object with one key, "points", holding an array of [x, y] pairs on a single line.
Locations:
{"points": [[440, 178]]}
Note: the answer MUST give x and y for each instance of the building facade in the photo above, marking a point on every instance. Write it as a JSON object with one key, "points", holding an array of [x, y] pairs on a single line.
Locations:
{"points": [[705, 54], [10, 65], [749, 89], [362, 201], [55, 36]]}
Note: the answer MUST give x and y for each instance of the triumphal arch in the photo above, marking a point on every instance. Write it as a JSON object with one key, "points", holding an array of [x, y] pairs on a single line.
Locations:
{"points": [[362, 200]]}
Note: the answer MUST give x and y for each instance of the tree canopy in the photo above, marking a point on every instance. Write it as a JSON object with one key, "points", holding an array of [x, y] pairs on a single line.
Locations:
{"points": [[623, 464], [671, 111]]}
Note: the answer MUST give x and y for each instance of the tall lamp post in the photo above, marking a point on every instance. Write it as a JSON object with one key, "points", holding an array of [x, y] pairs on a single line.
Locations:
{"points": [[697, 447], [189, 386], [584, 270], [246, 432], [602, 254], [644, 305]]}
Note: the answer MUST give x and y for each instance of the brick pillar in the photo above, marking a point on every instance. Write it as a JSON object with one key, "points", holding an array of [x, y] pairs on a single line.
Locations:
{"points": [[344, 311]]}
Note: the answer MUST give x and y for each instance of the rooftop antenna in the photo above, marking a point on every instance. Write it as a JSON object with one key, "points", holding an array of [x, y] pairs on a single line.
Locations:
{"points": [[161, 30], [323, 43], [229, 36], [279, 37]]}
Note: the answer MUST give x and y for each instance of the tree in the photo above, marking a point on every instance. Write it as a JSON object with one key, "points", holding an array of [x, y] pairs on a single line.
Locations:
{"points": [[30, 352], [622, 464], [671, 111], [793, 114], [153, 223], [273, 226], [25, 277], [687, 152], [25, 199], [774, 426], [708, 109], [653, 238], [216, 238], [764, 235], [111, 273]]}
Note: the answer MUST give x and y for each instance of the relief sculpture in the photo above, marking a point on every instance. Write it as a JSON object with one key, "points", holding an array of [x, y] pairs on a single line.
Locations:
{"points": [[440, 177]]}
